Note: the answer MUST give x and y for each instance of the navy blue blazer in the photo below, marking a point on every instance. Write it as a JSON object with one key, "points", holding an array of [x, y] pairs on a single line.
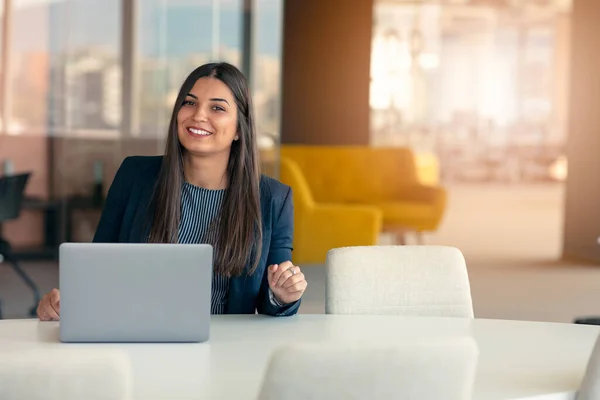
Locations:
{"points": [[125, 219]]}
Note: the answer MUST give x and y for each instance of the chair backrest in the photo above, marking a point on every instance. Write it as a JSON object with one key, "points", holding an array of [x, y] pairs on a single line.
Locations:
{"points": [[398, 280], [433, 369], [354, 174], [12, 190], [590, 386], [66, 374]]}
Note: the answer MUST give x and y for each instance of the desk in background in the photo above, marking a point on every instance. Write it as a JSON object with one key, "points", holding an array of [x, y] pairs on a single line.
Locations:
{"points": [[58, 224]]}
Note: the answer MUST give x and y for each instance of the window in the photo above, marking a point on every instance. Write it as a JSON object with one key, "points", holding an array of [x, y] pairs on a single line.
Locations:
{"points": [[175, 37], [483, 84], [266, 82]]}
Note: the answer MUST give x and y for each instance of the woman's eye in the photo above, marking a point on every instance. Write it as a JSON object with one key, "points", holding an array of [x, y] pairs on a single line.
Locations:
{"points": [[188, 103], [218, 108]]}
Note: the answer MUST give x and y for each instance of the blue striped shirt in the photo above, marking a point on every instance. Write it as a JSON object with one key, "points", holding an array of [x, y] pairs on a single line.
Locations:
{"points": [[199, 208]]}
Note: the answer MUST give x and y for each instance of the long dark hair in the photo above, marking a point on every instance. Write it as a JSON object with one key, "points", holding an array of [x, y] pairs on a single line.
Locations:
{"points": [[238, 235]]}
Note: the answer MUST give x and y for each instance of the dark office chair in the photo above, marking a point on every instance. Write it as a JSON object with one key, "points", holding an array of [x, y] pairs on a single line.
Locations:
{"points": [[587, 320], [12, 190]]}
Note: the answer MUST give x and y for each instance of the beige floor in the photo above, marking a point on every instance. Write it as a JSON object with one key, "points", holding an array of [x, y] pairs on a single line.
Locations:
{"points": [[512, 241], [511, 238]]}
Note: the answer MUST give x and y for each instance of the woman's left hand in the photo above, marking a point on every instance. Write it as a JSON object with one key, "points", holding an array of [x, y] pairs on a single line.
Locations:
{"points": [[287, 282]]}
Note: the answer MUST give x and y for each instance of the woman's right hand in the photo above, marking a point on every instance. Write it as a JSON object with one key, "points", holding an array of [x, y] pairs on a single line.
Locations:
{"points": [[49, 307]]}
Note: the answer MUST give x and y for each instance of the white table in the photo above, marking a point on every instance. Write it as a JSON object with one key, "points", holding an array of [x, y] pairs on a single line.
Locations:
{"points": [[518, 360]]}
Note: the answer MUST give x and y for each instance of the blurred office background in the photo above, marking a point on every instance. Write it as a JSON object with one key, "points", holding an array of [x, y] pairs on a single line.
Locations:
{"points": [[468, 123]]}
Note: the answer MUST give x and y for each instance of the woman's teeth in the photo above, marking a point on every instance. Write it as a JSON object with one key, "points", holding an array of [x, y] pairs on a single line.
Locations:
{"points": [[199, 132]]}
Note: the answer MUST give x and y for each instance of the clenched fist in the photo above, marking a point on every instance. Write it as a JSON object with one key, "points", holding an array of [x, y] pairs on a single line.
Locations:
{"points": [[49, 307], [286, 282]]}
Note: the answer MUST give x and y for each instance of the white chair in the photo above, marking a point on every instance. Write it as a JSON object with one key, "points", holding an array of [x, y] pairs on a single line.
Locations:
{"points": [[590, 386], [435, 369], [65, 374], [398, 280]]}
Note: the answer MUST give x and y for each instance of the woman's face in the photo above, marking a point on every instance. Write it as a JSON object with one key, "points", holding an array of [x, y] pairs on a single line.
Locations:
{"points": [[207, 120]]}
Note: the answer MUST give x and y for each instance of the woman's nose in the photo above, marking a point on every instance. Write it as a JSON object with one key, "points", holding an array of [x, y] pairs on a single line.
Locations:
{"points": [[200, 115]]}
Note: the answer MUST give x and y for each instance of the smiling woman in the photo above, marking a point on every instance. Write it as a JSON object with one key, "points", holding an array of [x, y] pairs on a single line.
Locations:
{"points": [[209, 111], [215, 103], [207, 189]]}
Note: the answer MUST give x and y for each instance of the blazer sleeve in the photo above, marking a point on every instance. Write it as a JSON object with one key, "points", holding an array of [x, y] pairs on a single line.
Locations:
{"points": [[114, 207], [280, 251]]}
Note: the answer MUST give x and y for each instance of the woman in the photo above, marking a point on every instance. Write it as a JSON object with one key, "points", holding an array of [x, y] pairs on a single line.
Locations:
{"points": [[207, 189]]}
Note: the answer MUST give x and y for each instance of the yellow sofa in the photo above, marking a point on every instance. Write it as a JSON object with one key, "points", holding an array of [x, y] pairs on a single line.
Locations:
{"points": [[319, 227], [385, 178]]}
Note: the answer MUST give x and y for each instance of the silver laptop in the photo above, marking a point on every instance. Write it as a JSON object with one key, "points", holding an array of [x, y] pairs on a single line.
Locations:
{"points": [[135, 292]]}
